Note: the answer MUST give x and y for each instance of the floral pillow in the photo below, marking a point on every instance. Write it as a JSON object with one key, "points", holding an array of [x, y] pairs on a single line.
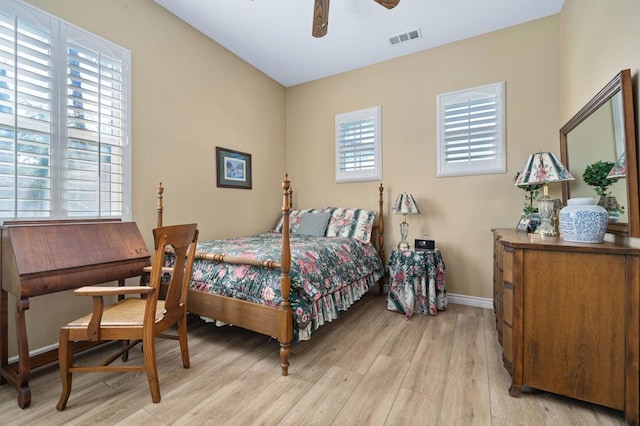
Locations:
{"points": [[352, 223]]}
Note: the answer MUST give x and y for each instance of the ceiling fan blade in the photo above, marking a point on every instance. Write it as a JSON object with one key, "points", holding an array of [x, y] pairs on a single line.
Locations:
{"points": [[389, 4], [320, 18]]}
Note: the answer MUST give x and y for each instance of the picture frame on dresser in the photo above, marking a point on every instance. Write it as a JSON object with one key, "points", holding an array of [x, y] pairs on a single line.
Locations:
{"points": [[523, 224]]}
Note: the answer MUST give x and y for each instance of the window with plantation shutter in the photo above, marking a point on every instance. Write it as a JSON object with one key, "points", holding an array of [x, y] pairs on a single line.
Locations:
{"points": [[471, 131], [64, 120], [359, 145]]}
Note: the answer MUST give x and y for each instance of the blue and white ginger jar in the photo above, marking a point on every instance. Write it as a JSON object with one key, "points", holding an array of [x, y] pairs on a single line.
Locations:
{"points": [[583, 221]]}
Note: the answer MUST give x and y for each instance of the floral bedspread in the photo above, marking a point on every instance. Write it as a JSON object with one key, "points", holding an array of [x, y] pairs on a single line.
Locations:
{"points": [[327, 274]]}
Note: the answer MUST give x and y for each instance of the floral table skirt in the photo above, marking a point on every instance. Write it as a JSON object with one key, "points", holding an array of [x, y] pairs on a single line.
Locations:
{"points": [[417, 282]]}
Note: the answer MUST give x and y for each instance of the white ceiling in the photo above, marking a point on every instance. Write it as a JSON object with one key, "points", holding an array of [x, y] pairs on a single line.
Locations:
{"points": [[275, 35]]}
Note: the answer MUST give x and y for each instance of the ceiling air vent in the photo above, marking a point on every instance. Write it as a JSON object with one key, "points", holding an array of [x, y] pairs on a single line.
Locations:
{"points": [[408, 36]]}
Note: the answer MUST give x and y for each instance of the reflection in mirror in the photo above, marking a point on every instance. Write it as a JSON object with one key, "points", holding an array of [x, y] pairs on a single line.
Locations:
{"points": [[606, 144], [599, 137]]}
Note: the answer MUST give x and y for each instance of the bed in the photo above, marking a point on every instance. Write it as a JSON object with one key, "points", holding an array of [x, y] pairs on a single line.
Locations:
{"points": [[287, 282]]}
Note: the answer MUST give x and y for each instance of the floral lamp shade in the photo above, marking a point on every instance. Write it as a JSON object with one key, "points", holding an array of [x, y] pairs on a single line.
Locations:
{"points": [[620, 169], [542, 167], [405, 204]]}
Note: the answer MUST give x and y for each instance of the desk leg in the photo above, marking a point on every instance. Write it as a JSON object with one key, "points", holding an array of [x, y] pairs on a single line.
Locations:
{"points": [[4, 335], [24, 363], [20, 377]]}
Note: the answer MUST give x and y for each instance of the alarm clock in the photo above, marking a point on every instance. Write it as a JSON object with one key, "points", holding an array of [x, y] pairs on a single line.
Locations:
{"points": [[422, 245]]}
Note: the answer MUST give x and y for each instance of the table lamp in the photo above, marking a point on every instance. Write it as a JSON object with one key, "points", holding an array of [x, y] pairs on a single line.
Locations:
{"points": [[544, 168], [619, 170], [405, 204]]}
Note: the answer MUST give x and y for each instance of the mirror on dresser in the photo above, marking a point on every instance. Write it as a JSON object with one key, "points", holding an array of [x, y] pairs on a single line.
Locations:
{"points": [[604, 130]]}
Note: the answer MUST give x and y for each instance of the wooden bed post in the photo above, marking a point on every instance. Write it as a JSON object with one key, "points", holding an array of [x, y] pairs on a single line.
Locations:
{"points": [[159, 208], [381, 224], [285, 318], [381, 234]]}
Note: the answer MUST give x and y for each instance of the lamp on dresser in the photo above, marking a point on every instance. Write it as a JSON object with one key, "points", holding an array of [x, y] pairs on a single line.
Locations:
{"points": [[405, 204], [544, 168], [619, 170]]}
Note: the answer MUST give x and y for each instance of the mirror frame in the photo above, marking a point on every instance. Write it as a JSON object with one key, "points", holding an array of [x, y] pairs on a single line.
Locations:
{"points": [[621, 83]]}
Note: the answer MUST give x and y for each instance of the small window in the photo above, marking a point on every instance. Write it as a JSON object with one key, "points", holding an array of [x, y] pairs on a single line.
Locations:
{"points": [[359, 145], [471, 131]]}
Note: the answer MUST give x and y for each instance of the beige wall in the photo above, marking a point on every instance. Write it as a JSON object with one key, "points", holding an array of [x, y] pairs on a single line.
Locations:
{"points": [[458, 212], [189, 96], [597, 40]]}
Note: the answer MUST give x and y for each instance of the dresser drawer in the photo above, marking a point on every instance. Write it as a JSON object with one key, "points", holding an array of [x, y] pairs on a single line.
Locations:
{"points": [[507, 348], [507, 308], [507, 266]]}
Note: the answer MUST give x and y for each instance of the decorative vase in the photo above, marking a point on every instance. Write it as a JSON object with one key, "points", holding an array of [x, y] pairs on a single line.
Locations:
{"points": [[583, 221]]}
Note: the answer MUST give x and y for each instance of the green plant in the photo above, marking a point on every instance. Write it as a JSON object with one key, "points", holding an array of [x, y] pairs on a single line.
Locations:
{"points": [[532, 194], [596, 175]]}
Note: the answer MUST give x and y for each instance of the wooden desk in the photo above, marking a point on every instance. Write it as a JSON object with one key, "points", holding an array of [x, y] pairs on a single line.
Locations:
{"points": [[568, 314], [49, 256], [416, 282]]}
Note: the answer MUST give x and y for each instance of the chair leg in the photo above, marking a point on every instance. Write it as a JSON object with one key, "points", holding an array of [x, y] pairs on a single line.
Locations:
{"points": [[65, 360], [184, 346], [125, 355], [149, 354]]}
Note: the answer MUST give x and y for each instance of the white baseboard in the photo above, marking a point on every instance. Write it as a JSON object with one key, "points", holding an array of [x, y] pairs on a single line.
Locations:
{"points": [[35, 352], [461, 299]]}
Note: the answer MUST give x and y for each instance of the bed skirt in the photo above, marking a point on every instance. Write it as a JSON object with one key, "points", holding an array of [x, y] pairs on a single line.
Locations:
{"points": [[326, 308]]}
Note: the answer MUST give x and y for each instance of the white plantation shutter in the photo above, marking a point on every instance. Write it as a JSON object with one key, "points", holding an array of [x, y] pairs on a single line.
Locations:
{"points": [[471, 131], [97, 132], [358, 145], [64, 120], [25, 117]]}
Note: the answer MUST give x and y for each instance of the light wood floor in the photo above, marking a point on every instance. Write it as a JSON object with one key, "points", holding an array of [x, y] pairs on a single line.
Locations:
{"points": [[369, 367]]}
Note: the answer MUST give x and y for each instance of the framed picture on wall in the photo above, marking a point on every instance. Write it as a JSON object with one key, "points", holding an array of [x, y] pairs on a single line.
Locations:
{"points": [[233, 169]]}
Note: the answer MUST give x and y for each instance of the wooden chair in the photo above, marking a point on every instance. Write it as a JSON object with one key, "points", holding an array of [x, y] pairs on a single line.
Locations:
{"points": [[136, 319]]}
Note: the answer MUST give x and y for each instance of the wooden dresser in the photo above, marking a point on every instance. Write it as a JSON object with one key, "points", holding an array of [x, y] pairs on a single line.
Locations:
{"points": [[567, 316]]}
